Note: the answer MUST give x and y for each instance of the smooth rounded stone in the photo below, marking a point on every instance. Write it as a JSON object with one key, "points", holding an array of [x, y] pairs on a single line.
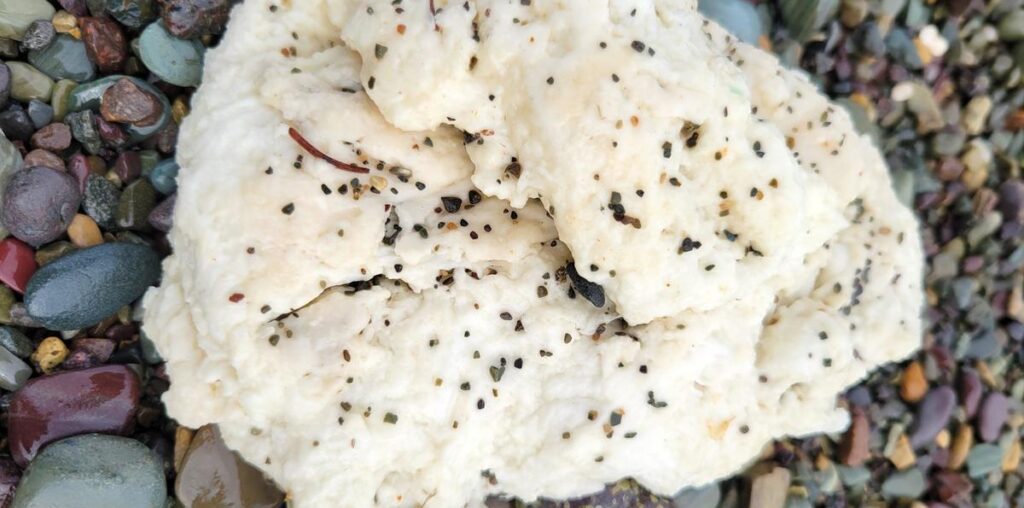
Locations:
{"points": [[803, 18], [992, 415], [212, 476], [17, 264], [65, 58], [93, 471], [54, 137], [738, 16], [132, 13], [90, 96], [176, 61], [29, 83], [84, 130], [85, 286], [932, 415], [101, 200], [17, 15], [46, 159], [162, 217], [105, 43], [16, 342], [909, 484], [137, 201], [39, 34], [1011, 27], [60, 98], [16, 124], [5, 84], [164, 176], [39, 203], [102, 399], [40, 112], [190, 19], [13, 371]]}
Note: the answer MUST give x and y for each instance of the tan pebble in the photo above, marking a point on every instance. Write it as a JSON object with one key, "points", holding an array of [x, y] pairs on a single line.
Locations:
{"points": [[84, 232], [50, 353], [961, 447], [64, 22], [943, 438], [182, 440], [1011, 460], [913, 384], [902, 455]]}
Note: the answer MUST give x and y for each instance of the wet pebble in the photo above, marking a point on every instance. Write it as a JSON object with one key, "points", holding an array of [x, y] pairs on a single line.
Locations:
{"points": [[64, 58], [174, 60], [39, 203], [992, 415], [93, 471], [101, 399], [212, 476], [932, 415], [85, 286]]}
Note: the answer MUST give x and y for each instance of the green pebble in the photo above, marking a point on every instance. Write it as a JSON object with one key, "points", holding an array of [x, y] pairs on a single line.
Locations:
{"points": [[137, 201], [176, 61], [909, 484], [17, 15], [64, 58], [61, 98], [16, 342], [28, 83], [984, 459], [93, 471], [48, 253]]}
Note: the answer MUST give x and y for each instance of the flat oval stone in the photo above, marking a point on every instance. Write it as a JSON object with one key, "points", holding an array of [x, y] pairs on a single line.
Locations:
{"points": [[29, 83], [39, 203], [992, 415], [64, 58], [212, 476], [164, 176], [176, 61], [105, 43], [17, 15], [17, 263], [85, 286], [101, 399], [93, 471], [932, 415]]}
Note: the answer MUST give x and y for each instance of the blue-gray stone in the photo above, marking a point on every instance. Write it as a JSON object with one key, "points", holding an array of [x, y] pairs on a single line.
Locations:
{"points": [[176, 61], [64, 58], [93, 471], [738, 16], [85, 286], [164, 176]]}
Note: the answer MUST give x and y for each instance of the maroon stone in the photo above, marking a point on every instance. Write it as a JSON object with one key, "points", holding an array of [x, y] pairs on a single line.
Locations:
{"points": [[54, 137], [86, 353], [102, 399], [128, 166], [104, 43], [932, 415], [10, 473], [40, 157], [17, 263], [992, 415], [125, 102], [970, 391], [111, 133]]}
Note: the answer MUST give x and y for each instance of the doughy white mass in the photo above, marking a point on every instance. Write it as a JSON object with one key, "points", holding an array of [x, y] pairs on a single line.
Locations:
{"points": [[412, 336]]}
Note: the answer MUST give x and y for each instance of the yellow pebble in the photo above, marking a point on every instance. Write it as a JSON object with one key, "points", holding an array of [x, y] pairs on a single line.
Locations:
{"points": [[50, 353], [84, 232], [179, 110], [64, 22]]}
